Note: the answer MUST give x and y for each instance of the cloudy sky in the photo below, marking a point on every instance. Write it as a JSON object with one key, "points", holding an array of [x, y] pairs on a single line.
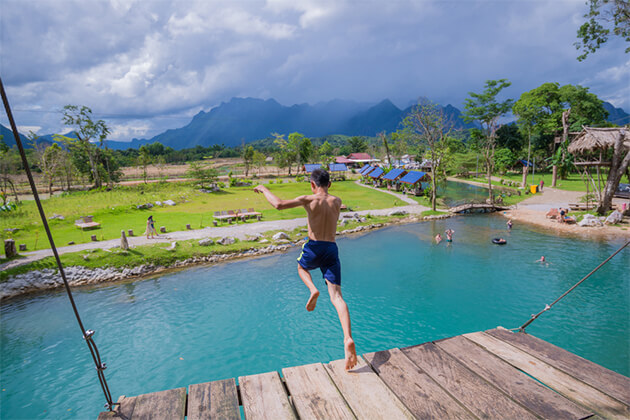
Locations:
{"points": [[147, 65]]}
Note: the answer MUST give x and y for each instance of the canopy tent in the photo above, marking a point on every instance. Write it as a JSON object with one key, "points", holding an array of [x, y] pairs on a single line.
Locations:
{"points": [[413, 177], [337, 167], [310, 167], [526, 163], [394, 174], [376, 173]]}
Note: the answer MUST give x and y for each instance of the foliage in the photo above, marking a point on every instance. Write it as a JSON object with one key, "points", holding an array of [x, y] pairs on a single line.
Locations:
{"points": [[248, 158], [203, 174], [603, 15], [325, 149], [563, 160], [503, 159], [357, 144]]}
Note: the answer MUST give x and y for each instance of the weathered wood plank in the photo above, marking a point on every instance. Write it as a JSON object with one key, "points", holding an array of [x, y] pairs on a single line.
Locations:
{"points": [[563, 383], [606, 380], [367, 395], [484, 400], [421, 394], [213, 400], [169, 404], [314, 394], [264, 397], [530, 393], [123, 411]]}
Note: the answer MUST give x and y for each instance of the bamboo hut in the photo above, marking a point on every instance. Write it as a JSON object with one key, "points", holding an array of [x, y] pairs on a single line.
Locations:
{"points": [[601, 148]]}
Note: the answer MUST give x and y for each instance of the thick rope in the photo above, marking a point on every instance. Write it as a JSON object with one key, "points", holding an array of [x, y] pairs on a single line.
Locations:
{"points": [[547, 307], [87, 334]]}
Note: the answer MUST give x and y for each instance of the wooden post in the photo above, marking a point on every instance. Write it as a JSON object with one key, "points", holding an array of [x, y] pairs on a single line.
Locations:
{"points": [[9, 248], [163, 229], [93, 237], [214, 222], [130, 232], [124, 244], [259, 217], [188, 226], [22, 247]]}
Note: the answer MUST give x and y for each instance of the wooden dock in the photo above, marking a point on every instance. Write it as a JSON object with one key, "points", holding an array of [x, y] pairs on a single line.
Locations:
{"points": [[494, 374], [477, 208]]}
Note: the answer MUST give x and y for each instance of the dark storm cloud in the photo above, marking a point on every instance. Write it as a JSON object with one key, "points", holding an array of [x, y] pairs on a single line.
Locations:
{"points": [[146, 66]]}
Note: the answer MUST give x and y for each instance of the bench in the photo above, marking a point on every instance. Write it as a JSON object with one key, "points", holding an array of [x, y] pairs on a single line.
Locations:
{"points": [[86, 222]]}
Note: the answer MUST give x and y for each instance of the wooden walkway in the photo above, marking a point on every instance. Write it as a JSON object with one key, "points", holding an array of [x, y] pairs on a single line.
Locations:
{"points": [[494, 374], [477, 208]]}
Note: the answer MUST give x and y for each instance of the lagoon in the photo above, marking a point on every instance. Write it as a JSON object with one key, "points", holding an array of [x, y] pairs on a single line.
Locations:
{"points": [[248, 317]]}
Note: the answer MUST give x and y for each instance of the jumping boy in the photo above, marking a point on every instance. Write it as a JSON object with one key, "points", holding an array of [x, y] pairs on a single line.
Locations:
{"points": [[320, 251]]}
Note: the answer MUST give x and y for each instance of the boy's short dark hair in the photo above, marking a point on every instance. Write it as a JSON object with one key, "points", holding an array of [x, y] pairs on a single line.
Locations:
{"points": [[320, 177]]}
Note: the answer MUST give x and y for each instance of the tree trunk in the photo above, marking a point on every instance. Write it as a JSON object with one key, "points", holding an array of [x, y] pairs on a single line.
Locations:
{"points": [[618, 167], [434, 187], [554, 175], [525, 168]]}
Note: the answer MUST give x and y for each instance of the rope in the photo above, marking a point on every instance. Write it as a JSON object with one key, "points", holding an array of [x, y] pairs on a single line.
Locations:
{"points": [[547, 307], [87, 334]]}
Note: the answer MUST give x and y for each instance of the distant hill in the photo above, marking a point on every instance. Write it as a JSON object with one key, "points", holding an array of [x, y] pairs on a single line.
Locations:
{"points": [[248, 119], [616, 115], [9, 139]]}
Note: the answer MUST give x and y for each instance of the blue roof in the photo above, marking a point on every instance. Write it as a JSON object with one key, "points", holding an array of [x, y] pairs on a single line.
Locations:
{"points": [[367, 165], [367, 170], [310, 167], [412, 177], [393, 174], [376, 173], [526, 163], [337, 167]]}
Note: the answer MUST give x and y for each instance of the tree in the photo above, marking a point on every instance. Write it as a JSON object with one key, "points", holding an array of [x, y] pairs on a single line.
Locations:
{"points": [[305, 148], [503, 159], [50, 162], [383, 137], [87, 132], [429, 124], [288, 153], [259, 160], [143, 161], [325, 149], [602, 15], [485, 109], [203, 174], [618, 166], [248, 158], [10, 163], [357, 144]]}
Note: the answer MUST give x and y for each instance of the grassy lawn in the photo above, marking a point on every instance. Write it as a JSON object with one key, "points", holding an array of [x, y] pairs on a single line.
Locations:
{"points": [[572, 183], [116, 210]]}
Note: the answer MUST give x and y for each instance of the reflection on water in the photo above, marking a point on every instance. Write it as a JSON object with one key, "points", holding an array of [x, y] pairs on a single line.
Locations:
{"points": [[248, 317]]}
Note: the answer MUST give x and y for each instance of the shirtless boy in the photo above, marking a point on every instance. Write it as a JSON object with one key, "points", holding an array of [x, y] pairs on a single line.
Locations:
{"points": [[320, 251]]}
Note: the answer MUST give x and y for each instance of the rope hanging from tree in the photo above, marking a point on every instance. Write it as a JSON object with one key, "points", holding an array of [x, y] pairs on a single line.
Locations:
{"points": [[547, 307], [87, 334]]}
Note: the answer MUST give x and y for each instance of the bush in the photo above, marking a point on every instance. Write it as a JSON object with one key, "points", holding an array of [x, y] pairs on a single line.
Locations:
{"points": [[299, 178]]}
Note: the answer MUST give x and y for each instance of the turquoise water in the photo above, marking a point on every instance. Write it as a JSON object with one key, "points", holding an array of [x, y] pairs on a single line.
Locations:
{"points": [[455, 193], [248, 317]]}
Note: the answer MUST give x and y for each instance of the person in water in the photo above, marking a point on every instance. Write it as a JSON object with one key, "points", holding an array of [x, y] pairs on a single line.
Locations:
{"points": [[438, 238], [449, 235], [509, 224], [320, 250], [542, 260]]}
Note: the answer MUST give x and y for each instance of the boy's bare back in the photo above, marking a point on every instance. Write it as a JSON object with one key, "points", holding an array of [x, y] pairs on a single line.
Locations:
{"points": [[323, 212]]}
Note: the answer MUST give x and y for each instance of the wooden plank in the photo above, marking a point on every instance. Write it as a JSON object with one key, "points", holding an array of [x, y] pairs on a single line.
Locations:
{"points": [[314, 394], [264, 397], [421, 394], [563, 383], [213, 400], [606, 380], [367, 395], [169, 404], [522, 388], [122, 411], [484, 400]]}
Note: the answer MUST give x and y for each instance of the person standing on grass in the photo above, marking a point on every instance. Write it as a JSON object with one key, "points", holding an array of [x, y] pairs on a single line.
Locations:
{"points": [[320, 250], [542, 183], [151, 227]]}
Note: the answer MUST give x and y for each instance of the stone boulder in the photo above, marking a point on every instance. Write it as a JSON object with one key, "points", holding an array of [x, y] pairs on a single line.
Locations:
{"points": [[169, 203], [590, 221], [227, 240], [205, 242], [280, 236], [614, 218], [397, 212]]}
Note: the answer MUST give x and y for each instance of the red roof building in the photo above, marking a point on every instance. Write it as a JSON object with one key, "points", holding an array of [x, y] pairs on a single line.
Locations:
{"points": [[343, 159], [360, 157]]}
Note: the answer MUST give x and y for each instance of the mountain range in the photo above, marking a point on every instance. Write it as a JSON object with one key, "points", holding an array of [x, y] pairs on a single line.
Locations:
{"points": [[248, 119]]}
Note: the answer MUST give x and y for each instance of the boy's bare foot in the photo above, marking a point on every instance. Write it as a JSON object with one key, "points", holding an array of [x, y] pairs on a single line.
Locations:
{"points": [[312, 301], [351, 353]]}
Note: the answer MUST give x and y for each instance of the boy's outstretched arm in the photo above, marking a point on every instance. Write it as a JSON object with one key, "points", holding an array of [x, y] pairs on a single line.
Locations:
{"points": [[277, 202]]}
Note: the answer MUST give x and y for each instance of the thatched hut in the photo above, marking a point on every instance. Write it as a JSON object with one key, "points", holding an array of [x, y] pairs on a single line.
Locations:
{"points": [[602, 147]]}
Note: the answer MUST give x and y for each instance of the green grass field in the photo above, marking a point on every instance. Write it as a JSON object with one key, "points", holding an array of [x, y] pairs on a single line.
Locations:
{"points": [[573, 182], [116, 210]]}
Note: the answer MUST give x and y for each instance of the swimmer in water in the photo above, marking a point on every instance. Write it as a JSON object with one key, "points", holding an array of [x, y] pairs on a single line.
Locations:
{"points": [[509, 224], [449, 235], [438, 238]]}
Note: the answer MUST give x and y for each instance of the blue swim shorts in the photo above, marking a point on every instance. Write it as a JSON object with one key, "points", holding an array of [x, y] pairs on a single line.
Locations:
{"points": [[323, 255]]}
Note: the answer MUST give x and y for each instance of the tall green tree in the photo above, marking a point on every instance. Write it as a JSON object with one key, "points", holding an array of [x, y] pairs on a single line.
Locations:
{"points": [[429, 125], [87, 131], [143, 161], [357, 144], [603, 17], [485, 109], [248, 158]]}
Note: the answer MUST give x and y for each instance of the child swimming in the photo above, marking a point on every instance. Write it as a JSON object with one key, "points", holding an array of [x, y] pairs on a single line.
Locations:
{"points": [[320, 251]]}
